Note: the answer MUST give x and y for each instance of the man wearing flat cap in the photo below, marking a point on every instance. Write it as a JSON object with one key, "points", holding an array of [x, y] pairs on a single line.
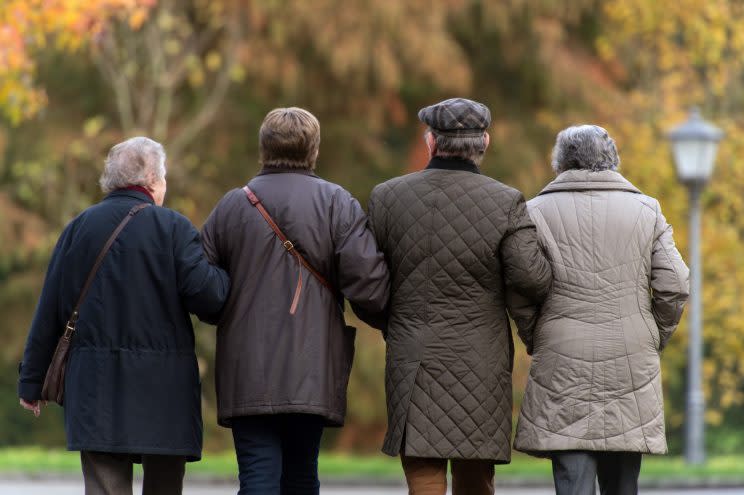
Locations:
{"points": [[456, 242]]}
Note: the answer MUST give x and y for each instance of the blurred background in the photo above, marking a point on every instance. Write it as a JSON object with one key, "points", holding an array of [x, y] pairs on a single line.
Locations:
{"points": [[78, 76]]}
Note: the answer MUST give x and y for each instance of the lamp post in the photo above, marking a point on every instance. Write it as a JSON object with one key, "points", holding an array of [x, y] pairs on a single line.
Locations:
{"points": [[694, 145]]}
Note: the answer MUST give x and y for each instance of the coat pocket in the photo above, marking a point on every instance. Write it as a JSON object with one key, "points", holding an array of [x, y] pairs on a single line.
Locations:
{"points": [[653, 330]]}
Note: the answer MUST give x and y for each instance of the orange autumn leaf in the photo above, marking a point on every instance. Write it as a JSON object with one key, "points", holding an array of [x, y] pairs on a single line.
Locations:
{"points": [[28, 26]]}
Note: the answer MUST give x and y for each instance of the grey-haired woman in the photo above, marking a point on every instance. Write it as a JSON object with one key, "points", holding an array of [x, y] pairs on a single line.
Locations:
{"points": [[593, 401], [132, 388]]}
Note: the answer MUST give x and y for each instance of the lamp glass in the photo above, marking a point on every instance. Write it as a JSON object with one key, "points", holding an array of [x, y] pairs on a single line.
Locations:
{"points": [[694, 159]]}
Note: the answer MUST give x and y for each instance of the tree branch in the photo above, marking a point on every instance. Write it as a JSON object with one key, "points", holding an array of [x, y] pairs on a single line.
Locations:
{"points": [[107, 62], [195, 46], [154, 59], [208, 110]]}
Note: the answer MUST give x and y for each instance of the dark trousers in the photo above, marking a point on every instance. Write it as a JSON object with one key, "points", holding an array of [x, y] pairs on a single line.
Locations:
{"points": [[576, 473], [105, 473], [278, 454]]}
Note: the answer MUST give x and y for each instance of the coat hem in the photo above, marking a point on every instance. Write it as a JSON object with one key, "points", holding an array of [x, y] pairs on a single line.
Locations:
{"points": [[190, 455], [332, 419], [496, 461], [544, 452]]}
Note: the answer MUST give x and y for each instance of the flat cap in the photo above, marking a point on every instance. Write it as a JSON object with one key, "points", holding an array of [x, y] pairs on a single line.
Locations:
{"points": [[457, 117]]}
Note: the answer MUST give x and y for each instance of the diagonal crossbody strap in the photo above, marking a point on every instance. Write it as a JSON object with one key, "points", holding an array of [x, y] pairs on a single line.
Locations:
{"points": [[135, 209], [291, 249]]}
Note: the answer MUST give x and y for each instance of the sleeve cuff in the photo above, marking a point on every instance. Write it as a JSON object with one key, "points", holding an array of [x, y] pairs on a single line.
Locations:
{"points": [[29, 390]]}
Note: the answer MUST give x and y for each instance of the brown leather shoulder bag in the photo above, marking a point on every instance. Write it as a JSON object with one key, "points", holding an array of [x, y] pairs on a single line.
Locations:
{"points": [[54, 381], [289, 246]]}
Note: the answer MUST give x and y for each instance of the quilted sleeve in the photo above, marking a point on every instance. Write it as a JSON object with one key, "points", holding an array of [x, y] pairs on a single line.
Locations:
{"points": [[376, 218], [669, 280], [526, 268], [525, 315]]}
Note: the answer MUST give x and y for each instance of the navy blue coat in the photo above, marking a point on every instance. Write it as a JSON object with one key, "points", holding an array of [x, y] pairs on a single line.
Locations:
{"points": [[132, 382]]}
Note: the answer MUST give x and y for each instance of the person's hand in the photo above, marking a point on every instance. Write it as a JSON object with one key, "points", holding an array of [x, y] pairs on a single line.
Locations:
{"points": [[34, 406]]}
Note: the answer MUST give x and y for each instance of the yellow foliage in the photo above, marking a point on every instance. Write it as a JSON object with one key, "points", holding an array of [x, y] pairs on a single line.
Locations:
{"points": [[392, 40], [27, 26], [686, 53], [655, 59], [213, 61], [137, 18]]}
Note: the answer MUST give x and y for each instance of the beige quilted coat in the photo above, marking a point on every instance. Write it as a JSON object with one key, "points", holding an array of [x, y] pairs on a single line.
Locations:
{"points": [[618, 293]]}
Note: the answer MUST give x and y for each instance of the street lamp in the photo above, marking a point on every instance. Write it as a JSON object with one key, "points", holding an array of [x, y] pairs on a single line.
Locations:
{"points": [[694, 145]]}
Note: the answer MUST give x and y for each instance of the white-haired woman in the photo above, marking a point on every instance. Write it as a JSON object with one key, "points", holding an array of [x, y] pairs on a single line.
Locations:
{"points": [[132, 388], [593, 401]]}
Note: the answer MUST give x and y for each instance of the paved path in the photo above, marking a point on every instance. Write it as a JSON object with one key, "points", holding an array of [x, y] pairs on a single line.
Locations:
{"points": [[33, 487]]}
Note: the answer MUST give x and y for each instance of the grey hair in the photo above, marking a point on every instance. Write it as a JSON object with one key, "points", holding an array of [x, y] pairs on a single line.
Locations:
{"points": [[138, 161], [465, 147], [584, 147]]}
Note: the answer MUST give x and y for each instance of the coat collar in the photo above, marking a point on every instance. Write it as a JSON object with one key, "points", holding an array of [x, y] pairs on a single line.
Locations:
{"points": [[130, 193], [443, 163], [286, 170], [586, 180]]}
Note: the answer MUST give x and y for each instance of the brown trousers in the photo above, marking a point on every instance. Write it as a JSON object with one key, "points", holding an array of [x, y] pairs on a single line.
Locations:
{"points": [[429, 476], [111, 474]]}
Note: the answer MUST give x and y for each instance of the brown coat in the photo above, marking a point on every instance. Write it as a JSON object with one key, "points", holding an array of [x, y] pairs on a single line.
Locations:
{"points": [[454, 240], [269, 361], [618, 292]]}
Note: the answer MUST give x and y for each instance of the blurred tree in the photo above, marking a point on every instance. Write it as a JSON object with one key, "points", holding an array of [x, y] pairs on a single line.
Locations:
{"points": [[200, 75], [183, 49], [535, 65], [168, 69], [675, 55], [27, 26], [357, 66]]}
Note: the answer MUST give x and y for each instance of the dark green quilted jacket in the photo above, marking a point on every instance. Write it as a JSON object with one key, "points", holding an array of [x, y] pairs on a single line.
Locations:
{"points": [[454, 240]]}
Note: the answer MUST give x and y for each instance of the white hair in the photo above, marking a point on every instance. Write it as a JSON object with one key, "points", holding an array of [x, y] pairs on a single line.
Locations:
{"points": [[587, 147], [138, 161], [470, 148]]}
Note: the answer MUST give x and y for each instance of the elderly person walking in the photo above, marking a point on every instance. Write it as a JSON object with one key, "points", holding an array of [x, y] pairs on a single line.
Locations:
{"points": [[295, 247], [594, 398], [455, 239], [132, 389]]}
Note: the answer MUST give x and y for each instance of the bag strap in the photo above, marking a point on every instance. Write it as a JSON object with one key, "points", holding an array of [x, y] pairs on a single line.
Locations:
{"points": [[89, 281], [289, 246]]}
